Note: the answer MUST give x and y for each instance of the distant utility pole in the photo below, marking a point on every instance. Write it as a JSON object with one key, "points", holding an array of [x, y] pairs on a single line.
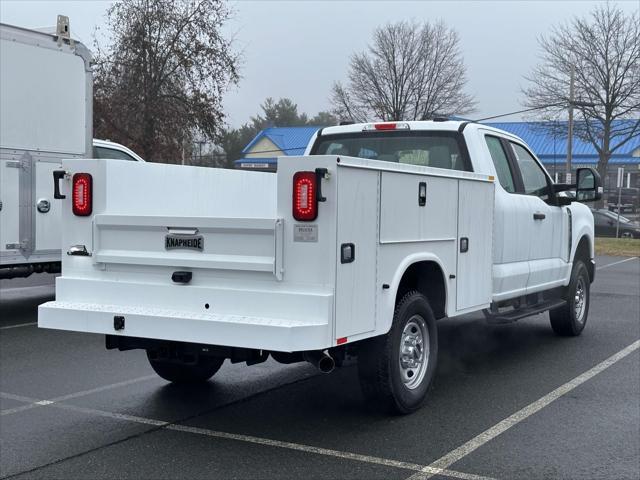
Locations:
{"points": [[572, 103], [570, 131]]}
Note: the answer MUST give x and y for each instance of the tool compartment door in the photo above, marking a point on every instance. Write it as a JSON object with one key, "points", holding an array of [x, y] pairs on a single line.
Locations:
{"points": [[475, 228], [405, 219], [357, 225]]}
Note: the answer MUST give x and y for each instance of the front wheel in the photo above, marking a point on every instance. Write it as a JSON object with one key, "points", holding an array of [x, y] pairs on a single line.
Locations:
{"points": [[570, 319], [396, 369], [202, 370]]}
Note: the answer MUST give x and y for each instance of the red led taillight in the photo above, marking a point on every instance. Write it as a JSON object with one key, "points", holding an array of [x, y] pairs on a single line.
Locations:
{"points": [[82, 194], [305, 202]]}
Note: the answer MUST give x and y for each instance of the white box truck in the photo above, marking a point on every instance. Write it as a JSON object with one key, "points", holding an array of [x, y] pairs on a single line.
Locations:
{"points": [[45, 115], [356, 248]]}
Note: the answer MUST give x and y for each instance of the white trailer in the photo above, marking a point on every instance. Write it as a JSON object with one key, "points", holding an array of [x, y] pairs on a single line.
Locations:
{"points": [[45, 115], [335, 254]]}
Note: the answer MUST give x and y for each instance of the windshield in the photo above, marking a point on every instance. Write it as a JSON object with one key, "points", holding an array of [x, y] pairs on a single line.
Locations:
{"points": [[615, 217], [428, 149]]}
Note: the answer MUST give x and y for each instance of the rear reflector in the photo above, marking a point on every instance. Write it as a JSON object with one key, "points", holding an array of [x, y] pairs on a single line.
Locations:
{"points": [[386, 126], [82, 194], [305, 202], [342, 340]]}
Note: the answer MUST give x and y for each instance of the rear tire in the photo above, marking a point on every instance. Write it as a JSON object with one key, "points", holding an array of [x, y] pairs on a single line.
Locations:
{"points": [[570, 319], [201, 371], [396, 369]]}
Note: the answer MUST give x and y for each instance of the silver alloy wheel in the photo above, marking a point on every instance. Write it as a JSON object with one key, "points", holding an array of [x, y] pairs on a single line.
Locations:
{"points": [[414, 352], [580, 300]]}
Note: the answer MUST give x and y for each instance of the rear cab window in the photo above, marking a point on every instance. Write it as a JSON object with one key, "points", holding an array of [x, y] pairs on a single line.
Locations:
{"points": [[425, 148]]}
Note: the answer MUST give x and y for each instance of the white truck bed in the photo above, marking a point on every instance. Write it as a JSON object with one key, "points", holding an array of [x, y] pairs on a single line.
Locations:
{"points": [[264, 280]]}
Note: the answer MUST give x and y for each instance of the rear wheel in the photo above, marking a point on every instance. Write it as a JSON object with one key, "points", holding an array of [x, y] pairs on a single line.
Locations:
{"points": [[202, 370], [396, 369], [570, 319]]}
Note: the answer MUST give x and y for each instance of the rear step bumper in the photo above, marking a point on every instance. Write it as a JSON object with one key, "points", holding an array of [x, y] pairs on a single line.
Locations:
{"points": [[204, 328]]}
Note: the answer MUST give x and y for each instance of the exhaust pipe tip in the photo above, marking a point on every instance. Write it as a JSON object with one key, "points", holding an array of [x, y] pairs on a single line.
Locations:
{"points": [[321, 360], [326, 364]]}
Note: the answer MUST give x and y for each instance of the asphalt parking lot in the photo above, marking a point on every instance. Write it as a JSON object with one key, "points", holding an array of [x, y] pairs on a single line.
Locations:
{"points": [[508, 402]]}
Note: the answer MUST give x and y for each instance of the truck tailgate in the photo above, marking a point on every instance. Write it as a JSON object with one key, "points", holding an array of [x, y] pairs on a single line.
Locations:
{"points": [[252, 244]]}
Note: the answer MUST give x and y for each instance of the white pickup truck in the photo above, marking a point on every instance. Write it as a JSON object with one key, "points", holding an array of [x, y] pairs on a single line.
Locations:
{"points": [[356, 248]]}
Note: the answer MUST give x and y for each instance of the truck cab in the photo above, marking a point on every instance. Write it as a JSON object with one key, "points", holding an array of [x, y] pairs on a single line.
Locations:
{"points": [[536, 230], [356, 248]]}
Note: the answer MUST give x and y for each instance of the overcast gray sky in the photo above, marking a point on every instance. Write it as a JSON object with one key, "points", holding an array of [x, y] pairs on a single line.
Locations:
{"points": [[297, 49]]}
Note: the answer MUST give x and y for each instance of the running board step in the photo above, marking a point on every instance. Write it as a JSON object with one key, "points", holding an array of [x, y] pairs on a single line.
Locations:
{"points": [[519, 313]]}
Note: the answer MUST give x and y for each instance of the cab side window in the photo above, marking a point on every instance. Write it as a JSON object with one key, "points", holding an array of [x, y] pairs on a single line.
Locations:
{"points": [[500, 161], [533, 177]]}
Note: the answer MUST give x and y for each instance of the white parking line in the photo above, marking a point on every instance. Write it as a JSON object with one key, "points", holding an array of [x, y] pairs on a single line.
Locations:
{"points": [[115, 416], [19, 325], [616, 263], [62, 398], [124, 383], [522, 414], [255, 440]]}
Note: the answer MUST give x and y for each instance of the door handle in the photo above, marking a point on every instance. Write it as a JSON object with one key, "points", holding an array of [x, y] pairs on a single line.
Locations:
{"points": [[539, 216], [422, 194], [57, 176]]}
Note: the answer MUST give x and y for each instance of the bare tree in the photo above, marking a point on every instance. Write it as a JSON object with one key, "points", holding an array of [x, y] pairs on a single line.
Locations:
{"points": [[160, 83], [409, 72], [603, 50]]}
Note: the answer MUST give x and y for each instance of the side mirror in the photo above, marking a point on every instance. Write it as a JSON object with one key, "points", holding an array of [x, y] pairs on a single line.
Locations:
{"points": [[588, 185]]}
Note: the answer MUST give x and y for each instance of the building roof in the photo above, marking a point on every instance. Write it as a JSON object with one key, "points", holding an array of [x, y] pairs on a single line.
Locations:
{"points": [[549, 147], [291, 140], [545, 143]]}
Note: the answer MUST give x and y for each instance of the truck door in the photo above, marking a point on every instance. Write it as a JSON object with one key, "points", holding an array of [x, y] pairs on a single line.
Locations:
{"points": [[547, 224], [511, 241]]}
